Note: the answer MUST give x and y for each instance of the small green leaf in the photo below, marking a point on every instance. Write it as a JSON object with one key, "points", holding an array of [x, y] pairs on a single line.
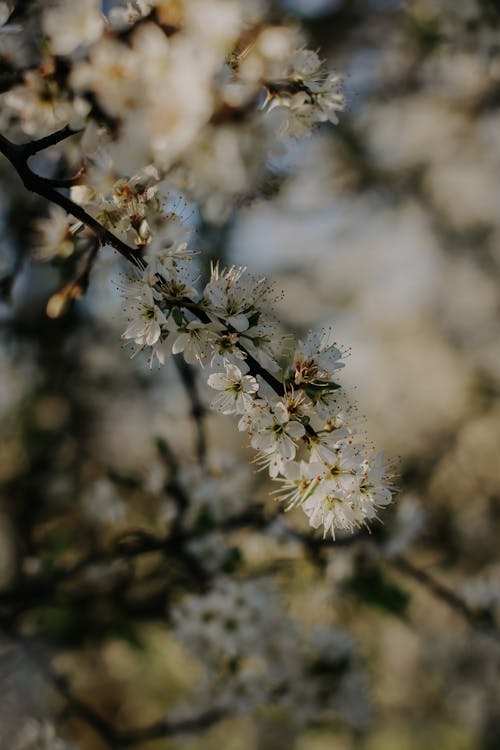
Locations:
{"points": [[178, 317], [373, 587]]}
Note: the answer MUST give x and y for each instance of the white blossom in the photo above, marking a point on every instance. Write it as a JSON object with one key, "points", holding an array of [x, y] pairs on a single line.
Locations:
{"points": [[181, 112], [195, 341], [348, 492], [235, 296], [317, 359], [69, 25], [276, 437], [237, 390], [55, 235], [145, 327]]}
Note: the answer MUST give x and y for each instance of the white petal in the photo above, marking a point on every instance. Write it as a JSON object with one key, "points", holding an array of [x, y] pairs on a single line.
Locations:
{"points": [[239, 322], [233, 373], [180, 343], [249, 384], [281, 412], [218, 380], [286, 448], [295, 429]]}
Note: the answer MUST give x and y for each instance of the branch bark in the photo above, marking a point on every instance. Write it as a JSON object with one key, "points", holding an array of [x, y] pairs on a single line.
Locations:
{"points": [[18, 156]]}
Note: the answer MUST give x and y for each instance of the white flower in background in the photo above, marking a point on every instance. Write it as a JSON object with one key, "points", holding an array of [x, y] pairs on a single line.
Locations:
{"points": [[331, 645], [41, 106], [409, 524], [305, 62], [237, 390], [56, 235], [219, 490], [70, 25], [102, 503], [110, 72], [175, 89], [482, 593], [306, 95], [229, 621], [297, 115], [40, 735], [256, 656], [247, 646], [128, 12], [211, 550]]}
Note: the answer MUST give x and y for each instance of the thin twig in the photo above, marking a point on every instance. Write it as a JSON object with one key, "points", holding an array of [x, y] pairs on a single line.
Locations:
{"points": [[77, 286], [188, 377], [113, 737], [34, 147], [483, 622], [18, 157], [165, 728]]}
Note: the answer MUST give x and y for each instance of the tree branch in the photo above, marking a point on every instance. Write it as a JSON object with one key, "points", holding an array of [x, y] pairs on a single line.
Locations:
{"points": [[113, 737], [188, 377], [34, 147], [482, 622], [165, 728], [18, 156]]}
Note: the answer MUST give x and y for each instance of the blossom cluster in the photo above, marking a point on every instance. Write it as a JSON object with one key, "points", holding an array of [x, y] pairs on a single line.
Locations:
{"points": [[204, 90], [256, 655], [192, 97], [295, 414]]}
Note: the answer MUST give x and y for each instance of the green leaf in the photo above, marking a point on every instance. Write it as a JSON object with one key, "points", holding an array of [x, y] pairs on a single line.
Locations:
{"points": [[178, 317], [373, 587], [254, 318]]}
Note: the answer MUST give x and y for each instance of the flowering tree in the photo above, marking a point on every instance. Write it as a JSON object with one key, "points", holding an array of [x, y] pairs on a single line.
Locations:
{"points": [[139, 124]]}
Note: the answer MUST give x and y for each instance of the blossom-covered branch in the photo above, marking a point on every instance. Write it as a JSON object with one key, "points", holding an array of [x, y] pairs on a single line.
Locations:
{"points": [[291, 407]]}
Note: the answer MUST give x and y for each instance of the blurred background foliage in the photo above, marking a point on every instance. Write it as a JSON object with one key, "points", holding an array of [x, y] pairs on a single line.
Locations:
{"points": [[386, 227]]}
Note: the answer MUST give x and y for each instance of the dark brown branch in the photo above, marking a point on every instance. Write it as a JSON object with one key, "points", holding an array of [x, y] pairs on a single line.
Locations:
{"points": [[67, 182], [18, 157], [188, 377], [10, 79], [165, 728], [113, 737], [34, 147], [77, 286], [62, 686], [483, 622]]}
